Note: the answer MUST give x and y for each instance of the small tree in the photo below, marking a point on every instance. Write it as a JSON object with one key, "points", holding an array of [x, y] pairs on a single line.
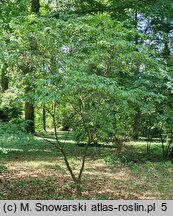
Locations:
{"points": [[86, 95]]}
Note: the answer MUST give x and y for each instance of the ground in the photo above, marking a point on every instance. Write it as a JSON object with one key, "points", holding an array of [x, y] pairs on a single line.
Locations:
{"points": [[36, 170]]}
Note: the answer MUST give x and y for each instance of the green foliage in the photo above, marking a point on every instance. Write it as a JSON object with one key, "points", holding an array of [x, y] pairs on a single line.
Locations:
{"points": [[94, 65], [2, 168], [14, 135]]}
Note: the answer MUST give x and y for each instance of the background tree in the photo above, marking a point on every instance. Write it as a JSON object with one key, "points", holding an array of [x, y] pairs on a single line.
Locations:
{"points": [[29, 106]]}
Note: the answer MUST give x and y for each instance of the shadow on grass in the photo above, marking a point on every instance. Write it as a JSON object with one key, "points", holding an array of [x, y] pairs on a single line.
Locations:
{"points": [[60, 187], [40, 150], [129, 155]]}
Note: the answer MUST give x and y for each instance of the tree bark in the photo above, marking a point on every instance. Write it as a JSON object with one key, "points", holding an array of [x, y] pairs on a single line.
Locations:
{"points": [[44, 118], [29, 117], [35, 6], [4, 87], [4, 79], [29, 107]]}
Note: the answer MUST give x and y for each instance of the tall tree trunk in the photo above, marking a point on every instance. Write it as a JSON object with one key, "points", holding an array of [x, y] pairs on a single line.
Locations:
{"points": [[44, 118], [4, 87], [29, 117], [29, 107], [4, 79], [137, 116], [35, 6]]}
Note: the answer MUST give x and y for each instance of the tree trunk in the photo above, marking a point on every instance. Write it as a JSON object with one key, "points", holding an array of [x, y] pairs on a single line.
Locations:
{"points": [[4, 87], [44, 118], [4, 79], [29, 117], [29, 107], [35, 6]]}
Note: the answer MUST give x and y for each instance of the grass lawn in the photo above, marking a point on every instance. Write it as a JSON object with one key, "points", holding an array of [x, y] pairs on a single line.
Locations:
{"points": [[34, 169]]}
